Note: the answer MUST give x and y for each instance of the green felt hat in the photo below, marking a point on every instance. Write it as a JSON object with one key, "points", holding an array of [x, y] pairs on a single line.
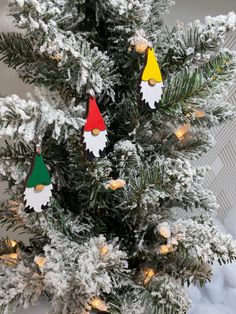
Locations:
{"points": [[39, 173]]}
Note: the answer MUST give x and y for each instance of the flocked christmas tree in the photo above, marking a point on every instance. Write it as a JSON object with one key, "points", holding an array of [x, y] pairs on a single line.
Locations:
{"points": [[109, 240]]}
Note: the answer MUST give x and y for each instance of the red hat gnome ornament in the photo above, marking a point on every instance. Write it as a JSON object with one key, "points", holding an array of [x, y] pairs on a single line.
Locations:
{"points": [[95, 131], [151, 84], [38, 186]]}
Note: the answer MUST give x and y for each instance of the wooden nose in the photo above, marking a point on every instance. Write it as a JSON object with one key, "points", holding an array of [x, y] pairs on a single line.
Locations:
{"points": [[39, 187]]}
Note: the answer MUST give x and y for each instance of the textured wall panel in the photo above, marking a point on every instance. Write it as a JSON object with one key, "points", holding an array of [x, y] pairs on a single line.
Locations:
{"points": [[221, 179]]}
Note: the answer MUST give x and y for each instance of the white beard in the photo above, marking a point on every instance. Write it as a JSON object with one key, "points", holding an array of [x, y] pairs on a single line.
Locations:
{"points": [[151, 94], [36, 199], [95, 143]]}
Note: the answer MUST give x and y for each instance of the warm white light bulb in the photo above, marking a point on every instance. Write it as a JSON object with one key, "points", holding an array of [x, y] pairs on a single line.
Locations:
{"points": [[181, 132], [149, 273], [98, 304], [40, 261]]}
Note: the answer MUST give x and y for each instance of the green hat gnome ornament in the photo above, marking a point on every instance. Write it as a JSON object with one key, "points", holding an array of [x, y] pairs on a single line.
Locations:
{"points": [[38, 185]]}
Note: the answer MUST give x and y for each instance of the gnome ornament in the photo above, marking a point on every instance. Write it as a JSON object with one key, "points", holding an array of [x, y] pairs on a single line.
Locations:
{"points": [[95, 132], [38, 186], [151, 84]]}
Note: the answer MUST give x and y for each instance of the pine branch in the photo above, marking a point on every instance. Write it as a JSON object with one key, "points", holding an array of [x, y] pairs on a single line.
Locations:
{"points": [[26, 120], [155, 188], [188, 84], [169, 290], [188, 91], [42, 69], [195, 144], [16, 150], [201, 236], [25, 284], [177, 55], [217, 113], [9, 217], [18, 51], [187, 45], [190, 269]]}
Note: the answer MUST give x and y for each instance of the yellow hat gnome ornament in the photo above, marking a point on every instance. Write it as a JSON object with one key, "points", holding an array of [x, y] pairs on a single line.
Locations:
{"points": [[38, 186], [151, 84]]}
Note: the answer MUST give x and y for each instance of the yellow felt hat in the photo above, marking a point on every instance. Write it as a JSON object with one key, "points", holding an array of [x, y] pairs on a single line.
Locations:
{"points": [[152, 69]]}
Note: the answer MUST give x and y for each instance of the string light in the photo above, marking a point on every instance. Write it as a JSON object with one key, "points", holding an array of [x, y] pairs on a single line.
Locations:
{"points": [[12, 255], [200, 113], [181, 132], [164, 231], [56, 57], [98, 304], [140, 44], [13, 243], [115, 184], [40, 261], [165, 249], [104, 250], [149, 274], [9, 259], [141, 47]]}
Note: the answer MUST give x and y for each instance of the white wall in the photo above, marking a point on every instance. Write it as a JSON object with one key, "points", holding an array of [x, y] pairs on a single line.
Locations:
{"points": [[9, 82], [189, 10]]}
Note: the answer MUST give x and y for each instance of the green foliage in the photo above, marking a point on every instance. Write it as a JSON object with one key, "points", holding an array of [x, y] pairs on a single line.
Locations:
{"points": [[191, 269], [193, 36], [188, 84], [20, 53], [194, 43], [9, 217], [25, 285], [175, 299], [34, 67], [15, 150]]}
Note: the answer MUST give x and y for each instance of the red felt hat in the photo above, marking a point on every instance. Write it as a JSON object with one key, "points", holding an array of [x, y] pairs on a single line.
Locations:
{"points": [[94, 118]]}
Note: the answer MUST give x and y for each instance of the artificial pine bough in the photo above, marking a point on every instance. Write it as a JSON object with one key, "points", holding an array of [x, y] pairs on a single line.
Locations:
{"points": [[110, 240]]}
